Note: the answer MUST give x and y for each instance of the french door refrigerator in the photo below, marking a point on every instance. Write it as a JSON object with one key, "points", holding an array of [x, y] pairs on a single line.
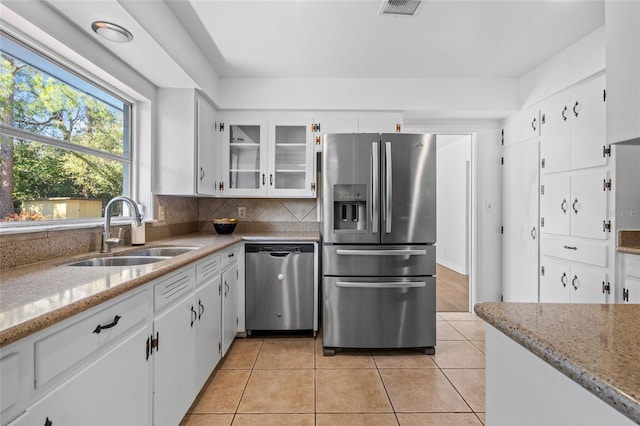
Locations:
{"points": [[378, 233]]}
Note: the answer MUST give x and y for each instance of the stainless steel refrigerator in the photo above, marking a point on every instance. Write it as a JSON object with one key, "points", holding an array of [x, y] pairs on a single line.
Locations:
{"points": [[378, 233]]}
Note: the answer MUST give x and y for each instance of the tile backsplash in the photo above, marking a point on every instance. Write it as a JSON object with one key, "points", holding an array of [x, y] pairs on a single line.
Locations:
{"points": [[182, 215]]}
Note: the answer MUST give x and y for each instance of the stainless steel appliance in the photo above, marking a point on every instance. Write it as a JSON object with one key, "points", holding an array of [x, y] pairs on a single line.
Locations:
{"points": [[378, 234], [280, 290]]}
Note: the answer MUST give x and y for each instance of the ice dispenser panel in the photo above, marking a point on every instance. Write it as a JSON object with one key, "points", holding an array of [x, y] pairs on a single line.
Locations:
{"points": [[350, 207]]}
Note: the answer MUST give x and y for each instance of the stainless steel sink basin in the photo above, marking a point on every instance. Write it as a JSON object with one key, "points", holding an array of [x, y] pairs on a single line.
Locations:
{"points": [[119, 261], [161, 251]]}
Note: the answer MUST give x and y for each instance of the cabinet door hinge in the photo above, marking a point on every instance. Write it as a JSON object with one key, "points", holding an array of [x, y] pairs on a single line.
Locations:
{"points": [[152, 344], [625, 294], [220, 347], [542, 222], [398, 127], [313, 186], [502, 229], [544, 118], [542, 270], [606, 288], [502, 137], [606, 184], [221, 127], [541, 189], [315, 127], [604, 95], [220, 289], [318, 140], [606, 226], [502, 161], [542, 163], [606, 150]]}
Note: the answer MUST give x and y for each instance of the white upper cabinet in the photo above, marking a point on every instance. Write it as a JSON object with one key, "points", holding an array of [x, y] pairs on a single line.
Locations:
{"points": [[623, 70], [573, 128], [188, 154], [267, 157], [522, 126]]}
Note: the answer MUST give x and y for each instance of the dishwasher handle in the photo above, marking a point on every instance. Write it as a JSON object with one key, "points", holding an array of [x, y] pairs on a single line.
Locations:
{"points": [[280, 253]]}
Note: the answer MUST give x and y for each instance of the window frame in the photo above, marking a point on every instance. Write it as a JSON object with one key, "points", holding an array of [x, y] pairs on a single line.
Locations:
{"points": [[129, 142]]}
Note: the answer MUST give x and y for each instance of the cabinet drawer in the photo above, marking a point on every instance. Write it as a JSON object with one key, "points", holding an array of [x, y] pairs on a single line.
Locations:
{"points": [[577, 251], [208, 268], [173, 287], [230, 256], [632, 265], [61, 350]]}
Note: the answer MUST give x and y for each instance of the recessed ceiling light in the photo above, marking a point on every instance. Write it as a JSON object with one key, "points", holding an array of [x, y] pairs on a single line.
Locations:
{"points": [[112, 32]]}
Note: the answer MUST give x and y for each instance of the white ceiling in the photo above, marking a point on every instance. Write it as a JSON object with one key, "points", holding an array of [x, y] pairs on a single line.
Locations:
{"points": [[325, 38]]}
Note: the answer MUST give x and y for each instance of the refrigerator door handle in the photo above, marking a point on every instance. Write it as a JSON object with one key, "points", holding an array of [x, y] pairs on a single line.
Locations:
{"points": [[407, 252], [381, 284], [375, 190], [388, 191]]}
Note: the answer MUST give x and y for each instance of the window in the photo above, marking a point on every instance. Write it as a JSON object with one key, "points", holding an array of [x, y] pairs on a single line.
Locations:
{"points": [[66, 145]]}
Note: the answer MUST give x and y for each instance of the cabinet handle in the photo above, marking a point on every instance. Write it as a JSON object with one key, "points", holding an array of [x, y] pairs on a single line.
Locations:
{"points": [[573, 282], [194, 316], [574, 206], [48, 422], [533, 232], [563, 279], [226, 289], [571, 247], [564, 113], [99, 328], [534, 124], [201, 309], [263, 182], [563, 205], [201, 173], [575, 109], [271, 179]]}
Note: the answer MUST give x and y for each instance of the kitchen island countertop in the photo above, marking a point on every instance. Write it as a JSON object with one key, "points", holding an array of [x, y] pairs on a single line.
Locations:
{"points": [[37, 296], [595, 345]]}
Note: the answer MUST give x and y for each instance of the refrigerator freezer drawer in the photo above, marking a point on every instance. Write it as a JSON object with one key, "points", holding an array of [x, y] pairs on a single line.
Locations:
{"points": [[379, 313], [397, 260]]}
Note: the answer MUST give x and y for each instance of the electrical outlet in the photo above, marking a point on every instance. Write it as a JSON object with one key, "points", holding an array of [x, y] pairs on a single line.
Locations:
{"points": [[161, 213], [242, 212]]}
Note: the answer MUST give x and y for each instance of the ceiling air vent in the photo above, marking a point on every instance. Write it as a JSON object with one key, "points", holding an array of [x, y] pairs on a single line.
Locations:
{"points": [[399, 7]]}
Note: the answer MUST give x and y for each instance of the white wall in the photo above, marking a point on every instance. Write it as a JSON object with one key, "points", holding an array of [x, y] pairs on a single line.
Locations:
{"points": [[452, 208], [579, 61]]}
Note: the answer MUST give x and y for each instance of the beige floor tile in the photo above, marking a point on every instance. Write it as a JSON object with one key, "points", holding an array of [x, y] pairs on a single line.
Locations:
{"points": [[286, 354], [403, 359], [437, 419], [344, 359], [482, 417], [207, 420], [279, 391], [451, 354], [349, 391], [360, 419], [472, 330], [470, 384], [222, 393], [421, 390], [480, 344], [242, 354], [274, 420], [444, 331], [459, 316]]}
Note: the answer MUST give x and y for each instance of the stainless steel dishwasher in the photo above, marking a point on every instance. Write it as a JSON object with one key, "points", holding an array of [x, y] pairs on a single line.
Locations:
{"points": [[279, 286]]}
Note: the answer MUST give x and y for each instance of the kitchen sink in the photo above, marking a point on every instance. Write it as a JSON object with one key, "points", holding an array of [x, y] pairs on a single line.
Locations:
{"points": [[119, 261], [161, 251]]}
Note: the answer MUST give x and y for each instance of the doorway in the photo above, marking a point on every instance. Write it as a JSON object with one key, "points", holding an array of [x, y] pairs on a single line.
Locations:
{"points": [[453, 217]]}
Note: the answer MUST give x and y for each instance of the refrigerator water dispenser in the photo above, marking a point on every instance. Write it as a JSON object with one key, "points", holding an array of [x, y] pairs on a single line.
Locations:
{"points": [[350, 207]]}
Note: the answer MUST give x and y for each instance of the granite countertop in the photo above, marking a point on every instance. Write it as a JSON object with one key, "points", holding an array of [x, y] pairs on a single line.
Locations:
{"points": [[629, 241], [39, 295], [597, 346]]}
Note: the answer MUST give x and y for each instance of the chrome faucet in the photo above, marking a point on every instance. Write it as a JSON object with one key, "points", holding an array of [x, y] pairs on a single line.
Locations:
{"points": [[107, 241]]}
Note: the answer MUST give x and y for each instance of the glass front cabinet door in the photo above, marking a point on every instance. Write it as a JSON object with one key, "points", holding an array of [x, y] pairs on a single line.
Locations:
{"points": [[268, 159]]}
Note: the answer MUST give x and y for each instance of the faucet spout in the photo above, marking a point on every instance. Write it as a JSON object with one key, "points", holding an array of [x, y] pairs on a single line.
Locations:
{"points": [[107, 241]]}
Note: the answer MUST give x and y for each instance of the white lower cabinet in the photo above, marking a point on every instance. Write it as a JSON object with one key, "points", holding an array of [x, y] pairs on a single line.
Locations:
{"points": [[229, 306], [630, 278], [113, 390], [562, 282]]}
